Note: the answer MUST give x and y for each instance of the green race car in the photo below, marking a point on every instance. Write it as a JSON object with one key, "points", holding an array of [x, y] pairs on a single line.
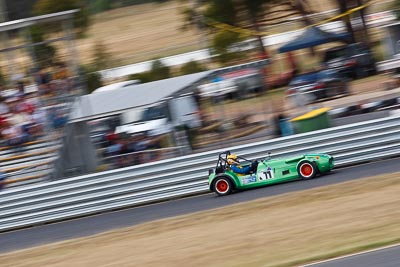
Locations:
{"points": [[223, 180]]}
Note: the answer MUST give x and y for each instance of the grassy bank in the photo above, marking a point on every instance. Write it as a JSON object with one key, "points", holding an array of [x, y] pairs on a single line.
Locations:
{"points": [[276, 231]]}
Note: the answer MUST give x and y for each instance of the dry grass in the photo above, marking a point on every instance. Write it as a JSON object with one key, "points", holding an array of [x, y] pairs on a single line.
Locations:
{"points": [[138, 33], [275, 231], [144, 32]]}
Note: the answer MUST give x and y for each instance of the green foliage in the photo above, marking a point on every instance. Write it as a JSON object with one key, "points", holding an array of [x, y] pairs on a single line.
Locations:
{"points": [[2, 78], [143, 77], [246, 14], [91, 78], [81, 19], [191, 67], [101, 58], [221, 10], [221, 43], [44, 54], [97, 6], [158, 71], [224, 39]]}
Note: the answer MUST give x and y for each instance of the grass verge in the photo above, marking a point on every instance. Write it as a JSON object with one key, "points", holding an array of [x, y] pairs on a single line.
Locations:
{"points": [[283, 230]]}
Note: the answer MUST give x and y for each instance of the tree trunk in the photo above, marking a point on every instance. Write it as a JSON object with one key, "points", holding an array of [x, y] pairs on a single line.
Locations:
{"points": [[256, 27], [343, 4], [364, 25], [300, 7]]}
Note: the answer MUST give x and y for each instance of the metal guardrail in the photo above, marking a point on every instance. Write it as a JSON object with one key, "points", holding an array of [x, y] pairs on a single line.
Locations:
{"points": [[183, 176], [388, 65]]}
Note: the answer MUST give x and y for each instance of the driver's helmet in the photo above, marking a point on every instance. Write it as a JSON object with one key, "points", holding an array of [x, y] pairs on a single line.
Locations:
{"points": [[231, 159]]}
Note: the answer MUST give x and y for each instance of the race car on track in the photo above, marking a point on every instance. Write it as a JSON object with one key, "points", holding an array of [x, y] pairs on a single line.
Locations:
{"points": [[230, 175]]}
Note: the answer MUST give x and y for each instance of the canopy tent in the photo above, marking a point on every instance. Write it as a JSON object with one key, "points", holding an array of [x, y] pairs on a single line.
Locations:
{"points": [[113, 102], [314, 36]]}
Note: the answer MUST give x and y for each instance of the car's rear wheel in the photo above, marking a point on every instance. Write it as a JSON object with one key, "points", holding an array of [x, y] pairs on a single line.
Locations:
{"points": [[307, 169], [222, 186]]}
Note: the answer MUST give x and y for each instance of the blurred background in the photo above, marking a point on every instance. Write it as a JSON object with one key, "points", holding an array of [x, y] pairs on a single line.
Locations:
{"points": [[93, 85]]}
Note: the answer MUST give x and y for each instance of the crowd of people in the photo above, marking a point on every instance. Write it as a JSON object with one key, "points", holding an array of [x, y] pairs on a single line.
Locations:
{"points": [[26, 115]]}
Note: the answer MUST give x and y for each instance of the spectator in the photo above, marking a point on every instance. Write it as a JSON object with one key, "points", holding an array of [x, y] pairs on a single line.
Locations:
{"points": [[114, 149], [61, 79], [14, 135], [3, 106], [20, 89], [42, 79], [111, 137], [154, 144]]}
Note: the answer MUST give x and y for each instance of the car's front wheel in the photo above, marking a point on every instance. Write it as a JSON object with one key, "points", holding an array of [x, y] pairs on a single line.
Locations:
{"points": [[222, 186], [307, 169]]}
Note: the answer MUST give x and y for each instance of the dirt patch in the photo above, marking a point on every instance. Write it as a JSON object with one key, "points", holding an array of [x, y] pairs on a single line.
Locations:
{"points": [[282, 230]]}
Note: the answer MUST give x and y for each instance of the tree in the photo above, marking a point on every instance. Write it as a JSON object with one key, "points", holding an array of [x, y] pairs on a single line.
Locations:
{"points": [[223, 43], [101, 58], [91, 78], [81, 18], [192, 67], [357, 35], [2, 78], [245, 17], [44, 54], [143, 77], [159, 71]]}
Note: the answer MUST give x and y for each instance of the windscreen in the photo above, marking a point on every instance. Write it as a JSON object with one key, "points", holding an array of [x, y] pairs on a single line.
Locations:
{"points": [[154, 113], [304, 78], [332, 54]]}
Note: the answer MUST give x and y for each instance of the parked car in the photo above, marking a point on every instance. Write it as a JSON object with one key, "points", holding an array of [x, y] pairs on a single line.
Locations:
{"points": [[309, 87], [223, 180], [161, 118], [353, 60]]}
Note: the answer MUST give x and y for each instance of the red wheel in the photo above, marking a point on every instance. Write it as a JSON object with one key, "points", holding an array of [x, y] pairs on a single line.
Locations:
{"points": [[222, 186], [307, 169]]}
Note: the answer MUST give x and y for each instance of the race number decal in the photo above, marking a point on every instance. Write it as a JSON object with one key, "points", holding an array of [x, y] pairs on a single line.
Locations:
{"points": [[267, 174]]}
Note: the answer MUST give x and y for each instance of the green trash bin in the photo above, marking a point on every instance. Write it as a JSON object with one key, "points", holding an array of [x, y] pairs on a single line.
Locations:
{"points": [[311, 121]]}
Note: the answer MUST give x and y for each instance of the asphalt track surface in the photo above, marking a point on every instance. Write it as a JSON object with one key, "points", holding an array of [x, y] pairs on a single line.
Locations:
{"points": [[386, 257], [49, 233]]}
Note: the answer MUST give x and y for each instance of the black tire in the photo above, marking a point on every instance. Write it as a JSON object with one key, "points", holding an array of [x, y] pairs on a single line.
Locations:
{"points": [[222, 186], [307, 169]]}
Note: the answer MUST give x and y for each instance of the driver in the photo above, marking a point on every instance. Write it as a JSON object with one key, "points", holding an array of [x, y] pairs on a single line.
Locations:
{"points": [[237, 168]]}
